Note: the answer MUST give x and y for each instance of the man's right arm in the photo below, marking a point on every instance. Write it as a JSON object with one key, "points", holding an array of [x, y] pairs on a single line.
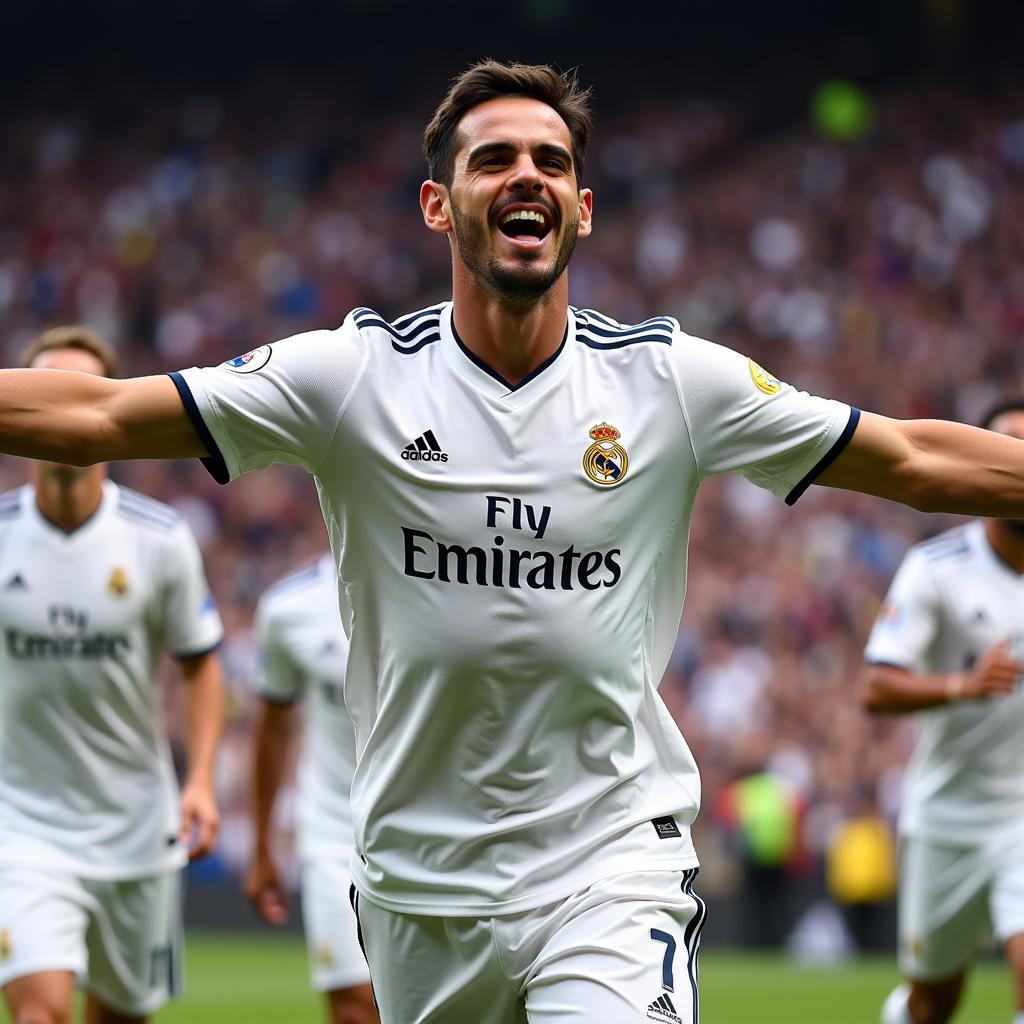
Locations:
{"points": [[80, 419], [887, 689], [263, 883]]}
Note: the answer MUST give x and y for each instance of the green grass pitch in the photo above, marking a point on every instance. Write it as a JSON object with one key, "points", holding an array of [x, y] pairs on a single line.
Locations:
{"points": [[261, 979]]}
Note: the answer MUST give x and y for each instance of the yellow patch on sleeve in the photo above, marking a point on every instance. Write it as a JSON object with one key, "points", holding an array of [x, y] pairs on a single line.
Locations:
{"points": [[763, 379]]}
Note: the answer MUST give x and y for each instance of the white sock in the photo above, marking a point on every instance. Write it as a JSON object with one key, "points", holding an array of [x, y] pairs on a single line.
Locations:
{"points": [[1018, 1017], [894, 1009]]}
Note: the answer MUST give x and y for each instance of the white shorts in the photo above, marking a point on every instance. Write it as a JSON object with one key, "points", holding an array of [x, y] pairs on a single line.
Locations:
{"points": [[122, 940], [623, 951], [951, 899], [335, 958]]}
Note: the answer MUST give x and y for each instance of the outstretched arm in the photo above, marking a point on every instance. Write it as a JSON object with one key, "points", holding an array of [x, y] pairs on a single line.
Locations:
{"points": [[79, 418], [933, 465]]}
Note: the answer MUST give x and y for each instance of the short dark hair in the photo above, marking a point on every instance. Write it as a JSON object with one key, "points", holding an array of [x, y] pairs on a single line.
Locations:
{"points": [[1001, 408], [489, 80], [79, 337]]}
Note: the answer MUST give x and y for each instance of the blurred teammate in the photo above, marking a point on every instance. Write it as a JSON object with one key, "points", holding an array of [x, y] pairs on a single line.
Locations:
{"points": [[303, 650], [508, 485], [95, 582], [948, 644]]}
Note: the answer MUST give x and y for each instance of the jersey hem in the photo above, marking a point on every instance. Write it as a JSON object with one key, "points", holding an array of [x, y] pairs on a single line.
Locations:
{"points": [[827, 459], [497, 908], [214, 463]]}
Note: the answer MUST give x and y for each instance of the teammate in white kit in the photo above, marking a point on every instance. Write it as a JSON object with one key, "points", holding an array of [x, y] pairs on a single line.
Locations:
{"points": [[507, 484], [948, 644], [302, 658], [95, 582]]}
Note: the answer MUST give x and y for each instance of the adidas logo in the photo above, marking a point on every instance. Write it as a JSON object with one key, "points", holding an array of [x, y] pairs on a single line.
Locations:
{"points": [[424, 449], [16, 582], [662, 1009]]}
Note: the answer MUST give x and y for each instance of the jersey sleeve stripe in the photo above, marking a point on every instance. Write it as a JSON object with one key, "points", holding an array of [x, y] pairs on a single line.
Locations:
{"points": [[592, 315], [417, 330], [827, 459], [139, 515], [214, 463], [596, 343]]}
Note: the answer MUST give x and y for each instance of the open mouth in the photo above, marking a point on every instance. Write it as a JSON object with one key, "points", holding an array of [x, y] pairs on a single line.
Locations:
{"points": [[525, 225]]}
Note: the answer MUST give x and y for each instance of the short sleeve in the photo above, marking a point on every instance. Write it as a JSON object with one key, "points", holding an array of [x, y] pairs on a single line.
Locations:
{"points": [[279, 403], [908, 623], [192, 625], [741, 419], [279, 679]]}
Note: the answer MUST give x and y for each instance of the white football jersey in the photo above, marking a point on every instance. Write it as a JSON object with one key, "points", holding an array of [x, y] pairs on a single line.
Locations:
{"points": [[951, 600], [86, 780], [513, 563], [302, 657]]}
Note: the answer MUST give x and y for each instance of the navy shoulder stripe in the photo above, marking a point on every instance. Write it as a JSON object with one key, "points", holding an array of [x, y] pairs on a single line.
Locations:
{"points": [[598, 331], [132, 499], [144, 510], [409, 333], [940, 554]]}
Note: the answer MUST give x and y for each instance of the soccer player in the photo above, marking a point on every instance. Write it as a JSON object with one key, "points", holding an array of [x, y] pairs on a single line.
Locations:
{"points": [[95, 582], [507, 483], [303, 650], [948, 644]]}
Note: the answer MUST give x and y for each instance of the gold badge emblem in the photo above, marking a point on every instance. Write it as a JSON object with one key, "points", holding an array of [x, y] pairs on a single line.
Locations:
{"points": [[763, 379], [324, 955], [6, 946], [605, 461], [117, 585]]}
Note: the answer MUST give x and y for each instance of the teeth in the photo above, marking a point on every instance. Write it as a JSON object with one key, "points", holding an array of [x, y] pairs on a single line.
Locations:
{"points": [[523, 215]]}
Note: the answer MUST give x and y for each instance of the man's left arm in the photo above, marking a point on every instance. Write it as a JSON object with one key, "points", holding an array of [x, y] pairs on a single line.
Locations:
{"points": [[203, 715], [933, 466]]}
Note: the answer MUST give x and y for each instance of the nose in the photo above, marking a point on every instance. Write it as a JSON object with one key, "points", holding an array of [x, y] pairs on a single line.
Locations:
{"points": [[526, 176]]}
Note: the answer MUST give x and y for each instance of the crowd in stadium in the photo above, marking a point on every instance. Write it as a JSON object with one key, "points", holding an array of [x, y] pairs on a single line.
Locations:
{"points": [[873, 269]]}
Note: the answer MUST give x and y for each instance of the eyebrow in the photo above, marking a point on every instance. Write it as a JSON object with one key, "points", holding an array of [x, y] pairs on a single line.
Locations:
{"points": [[546, 148]]}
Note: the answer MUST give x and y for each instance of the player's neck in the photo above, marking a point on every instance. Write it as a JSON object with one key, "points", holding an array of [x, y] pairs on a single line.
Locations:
{"points": [[67, 496], [1007, 541], [512, 339]]}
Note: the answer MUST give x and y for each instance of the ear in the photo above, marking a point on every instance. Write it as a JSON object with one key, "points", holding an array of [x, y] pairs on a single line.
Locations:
{"points": [[434, 204], [586, 212]]}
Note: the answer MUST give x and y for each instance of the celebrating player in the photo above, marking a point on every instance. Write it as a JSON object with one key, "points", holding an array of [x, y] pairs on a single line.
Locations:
{"points": [[508, 484], [303, 650], [948, 644], [95, 581]]}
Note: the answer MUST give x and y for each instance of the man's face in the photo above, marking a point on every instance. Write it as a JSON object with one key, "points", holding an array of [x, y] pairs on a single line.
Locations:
{"points": [[516, 210]]}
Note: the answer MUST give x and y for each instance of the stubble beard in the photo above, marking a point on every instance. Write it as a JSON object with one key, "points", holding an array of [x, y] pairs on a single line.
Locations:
{"points": [[522, 284]]}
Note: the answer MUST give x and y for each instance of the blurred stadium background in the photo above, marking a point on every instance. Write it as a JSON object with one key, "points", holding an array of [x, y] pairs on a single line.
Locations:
{"points": [[837, 190]]}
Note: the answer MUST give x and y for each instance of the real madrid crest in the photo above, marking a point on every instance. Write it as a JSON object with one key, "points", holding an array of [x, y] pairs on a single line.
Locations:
{"points": [[117, 585], [605, 461]]}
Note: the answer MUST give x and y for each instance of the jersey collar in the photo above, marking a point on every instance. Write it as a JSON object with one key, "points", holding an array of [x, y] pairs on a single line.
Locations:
{"points": [[83, 530], [482, 378]]}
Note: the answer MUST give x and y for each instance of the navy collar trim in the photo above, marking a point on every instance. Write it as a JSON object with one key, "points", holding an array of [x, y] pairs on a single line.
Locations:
{"points": [[491, 372]]}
